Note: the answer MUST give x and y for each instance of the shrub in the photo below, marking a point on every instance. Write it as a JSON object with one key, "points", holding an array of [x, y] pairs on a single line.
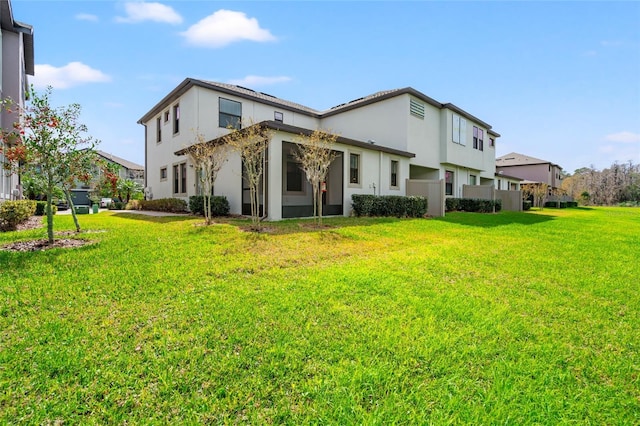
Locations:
{"points": [[133, 205], [572, 204], [13, 213], [526, 205], [389, 205], [552, 204], [171, 205], [473, 205], [41, 208], [219, 205]]}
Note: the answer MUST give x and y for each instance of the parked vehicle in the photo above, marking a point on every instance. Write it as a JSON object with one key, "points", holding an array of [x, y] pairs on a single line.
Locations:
{"points": [[105, 202]]}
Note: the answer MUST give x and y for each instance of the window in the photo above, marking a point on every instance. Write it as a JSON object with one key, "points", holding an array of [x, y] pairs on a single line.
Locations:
{"points": [[295, 178], [230, 114], [459, 130], [180, 178], [166, 116], [163, 173], [278, 116], [158, 131], [448, 182], [416, 108], [183, 178], [176, 118], [478, 136], [354, 168], [473, 180], [176, 178], [394, 173]]}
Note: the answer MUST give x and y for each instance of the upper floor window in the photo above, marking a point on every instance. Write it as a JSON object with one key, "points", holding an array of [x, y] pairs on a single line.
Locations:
{"points": [[176, 118], [416, 108], [478, 138], [354, 168], [166, 116], [459, 130], [158, 130], [278, 116], [394, 173], [230, 114]]}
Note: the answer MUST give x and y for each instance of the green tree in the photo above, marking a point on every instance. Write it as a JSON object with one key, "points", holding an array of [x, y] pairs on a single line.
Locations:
{"points": [[45, 140]]}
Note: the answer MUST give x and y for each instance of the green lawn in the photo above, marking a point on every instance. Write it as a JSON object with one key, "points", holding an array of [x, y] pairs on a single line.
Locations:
{"points": [[512, 318]]}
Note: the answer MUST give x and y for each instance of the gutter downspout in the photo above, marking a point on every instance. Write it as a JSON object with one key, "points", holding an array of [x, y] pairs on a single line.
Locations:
{"points": [[380, 174]]}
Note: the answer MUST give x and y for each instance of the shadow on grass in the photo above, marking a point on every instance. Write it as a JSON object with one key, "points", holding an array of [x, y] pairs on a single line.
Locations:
{"points": [[155, 219], [487, 220]]}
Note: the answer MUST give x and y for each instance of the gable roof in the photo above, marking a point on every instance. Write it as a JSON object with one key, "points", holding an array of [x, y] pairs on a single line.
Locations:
{"points": [[7, 23], [515, 159], [267, 99], [274, 125], [121, 161]]}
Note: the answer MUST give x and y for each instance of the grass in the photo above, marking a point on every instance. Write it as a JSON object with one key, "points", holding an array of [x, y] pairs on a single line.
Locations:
{"points": [[513, 318]]}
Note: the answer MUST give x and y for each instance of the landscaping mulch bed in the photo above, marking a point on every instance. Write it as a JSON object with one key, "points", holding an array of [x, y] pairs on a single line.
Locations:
{"points": [[35, 222]]}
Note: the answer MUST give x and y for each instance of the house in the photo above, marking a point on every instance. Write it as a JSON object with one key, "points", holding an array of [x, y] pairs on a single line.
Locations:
{"points": [[386, 139], [530, 169], [127, 169], [17, 61]]}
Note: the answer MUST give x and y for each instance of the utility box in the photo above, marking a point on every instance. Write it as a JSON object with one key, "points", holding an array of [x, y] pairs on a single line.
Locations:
{"points": [[82, 209]]}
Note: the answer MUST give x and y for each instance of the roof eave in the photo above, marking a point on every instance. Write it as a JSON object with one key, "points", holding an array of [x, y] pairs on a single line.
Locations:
{"points": [[274, 125]]}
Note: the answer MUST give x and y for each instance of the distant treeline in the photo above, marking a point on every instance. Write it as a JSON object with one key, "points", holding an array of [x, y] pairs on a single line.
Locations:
{"points": [[620, 183]]}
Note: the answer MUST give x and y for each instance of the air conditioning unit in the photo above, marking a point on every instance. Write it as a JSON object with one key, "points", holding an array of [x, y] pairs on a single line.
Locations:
{"points": [[147, 193]]}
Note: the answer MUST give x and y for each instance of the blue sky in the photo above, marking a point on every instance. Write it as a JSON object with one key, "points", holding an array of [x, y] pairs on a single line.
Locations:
{"points": [[558, 80]]}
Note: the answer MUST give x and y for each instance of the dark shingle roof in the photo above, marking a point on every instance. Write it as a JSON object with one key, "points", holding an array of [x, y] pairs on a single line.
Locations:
{"points": [[124, 163]]}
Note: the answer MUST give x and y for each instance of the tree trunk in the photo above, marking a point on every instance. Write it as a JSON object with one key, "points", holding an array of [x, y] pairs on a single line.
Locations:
{"points": [[50, 213], [73, 210], [320, 204]]}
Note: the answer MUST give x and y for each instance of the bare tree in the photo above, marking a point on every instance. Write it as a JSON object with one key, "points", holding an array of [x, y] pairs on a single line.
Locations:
{"points": [[537, 190], [315, 155], [207, 158], [251, 143]]}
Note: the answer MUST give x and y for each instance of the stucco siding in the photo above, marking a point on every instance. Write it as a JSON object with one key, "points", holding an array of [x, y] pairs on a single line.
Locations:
{"points": [[385, 122]]}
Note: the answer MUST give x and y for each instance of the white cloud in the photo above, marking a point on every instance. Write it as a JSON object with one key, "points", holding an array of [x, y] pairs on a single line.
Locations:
{"points": [[256, 80], [623, 137], [156, 12], [70, 75], [611, 43], [86, 17], [225, 27]]}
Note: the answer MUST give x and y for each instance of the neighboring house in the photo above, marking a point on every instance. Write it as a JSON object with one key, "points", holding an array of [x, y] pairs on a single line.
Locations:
{"points": [[507, 183], [530, 169], [127, 169], [385, 139], [17, 60]]}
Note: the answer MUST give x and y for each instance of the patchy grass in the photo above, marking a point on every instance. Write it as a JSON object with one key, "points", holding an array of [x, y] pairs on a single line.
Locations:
{"points": [[513, 318]]}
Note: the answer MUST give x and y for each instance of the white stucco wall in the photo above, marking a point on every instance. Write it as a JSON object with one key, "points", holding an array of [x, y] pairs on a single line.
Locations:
{"points": [[385, 122]]}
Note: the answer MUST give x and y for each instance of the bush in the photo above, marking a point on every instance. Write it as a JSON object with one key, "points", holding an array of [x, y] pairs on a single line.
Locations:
{"points": [[133, 205], [552, 204], [389, 205], [171, 205], [526, 205], [219, 205], [473, 205], [572, 204], [41, 208], [13, 213]]}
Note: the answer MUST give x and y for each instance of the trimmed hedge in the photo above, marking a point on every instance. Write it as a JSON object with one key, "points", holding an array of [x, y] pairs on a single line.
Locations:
{"points": [[526, 205], [170, 205], [13, 213], [41, 208], [472, 205], [219, 205], [389, 205]]}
